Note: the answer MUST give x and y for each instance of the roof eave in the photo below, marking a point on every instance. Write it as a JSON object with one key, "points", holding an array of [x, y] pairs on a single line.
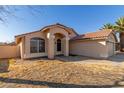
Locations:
{"points": [[91, 39]]}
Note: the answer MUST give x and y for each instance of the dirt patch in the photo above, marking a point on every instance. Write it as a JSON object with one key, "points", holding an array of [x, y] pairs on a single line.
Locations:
{"points": [[55, 73]]}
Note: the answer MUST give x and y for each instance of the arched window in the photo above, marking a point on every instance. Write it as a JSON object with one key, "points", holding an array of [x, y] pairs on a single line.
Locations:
{"points": [[37, 45], [58, 44]]}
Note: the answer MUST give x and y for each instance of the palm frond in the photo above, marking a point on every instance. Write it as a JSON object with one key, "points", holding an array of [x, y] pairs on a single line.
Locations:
{"points": [[108, 26], [120, 24]]}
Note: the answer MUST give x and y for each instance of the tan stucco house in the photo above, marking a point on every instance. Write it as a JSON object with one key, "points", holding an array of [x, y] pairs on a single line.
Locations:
{"points": [[58, 39]]}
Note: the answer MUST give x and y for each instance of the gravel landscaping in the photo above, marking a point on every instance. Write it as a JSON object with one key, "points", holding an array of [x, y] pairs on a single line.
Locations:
{"points": [[55, 73]]}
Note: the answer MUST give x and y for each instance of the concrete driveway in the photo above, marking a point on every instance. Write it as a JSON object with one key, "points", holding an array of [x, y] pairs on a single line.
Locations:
{"points": [[117, 58]]}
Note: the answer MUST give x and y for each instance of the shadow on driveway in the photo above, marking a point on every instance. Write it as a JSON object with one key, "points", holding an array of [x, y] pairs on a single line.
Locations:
{"points": [[52, 84], [119, 57]]}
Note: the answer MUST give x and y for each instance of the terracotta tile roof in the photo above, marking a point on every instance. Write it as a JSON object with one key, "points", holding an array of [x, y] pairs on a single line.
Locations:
{"points": [[102, 34]]}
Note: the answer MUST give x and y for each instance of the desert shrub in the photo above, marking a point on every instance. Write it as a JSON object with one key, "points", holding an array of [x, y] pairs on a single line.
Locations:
{"points": [[12, 61]]}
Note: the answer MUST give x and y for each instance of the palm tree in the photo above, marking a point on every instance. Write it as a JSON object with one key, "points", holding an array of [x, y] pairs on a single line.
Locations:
{"points": [[108, 26], [120, 28]]}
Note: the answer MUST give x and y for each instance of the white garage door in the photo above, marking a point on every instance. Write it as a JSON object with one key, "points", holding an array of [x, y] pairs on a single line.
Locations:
{"points": [[111, 48], [96, 49]]}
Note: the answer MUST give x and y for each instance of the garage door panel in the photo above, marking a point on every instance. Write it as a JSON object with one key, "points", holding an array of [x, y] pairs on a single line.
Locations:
{"points": [[91, 48]]}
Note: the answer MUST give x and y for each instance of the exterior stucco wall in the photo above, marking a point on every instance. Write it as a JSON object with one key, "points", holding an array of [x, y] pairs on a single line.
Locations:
{"points": [[7, 51], [27, 53], [58, 30], [22, 47], [62, 31], [43, 35], [64, 35], [111, 38], [96, 49], [25, 42]]}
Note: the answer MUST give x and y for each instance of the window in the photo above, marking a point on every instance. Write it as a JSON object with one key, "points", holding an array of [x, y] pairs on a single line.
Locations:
{"points": [[37, 45], [58, 45]]}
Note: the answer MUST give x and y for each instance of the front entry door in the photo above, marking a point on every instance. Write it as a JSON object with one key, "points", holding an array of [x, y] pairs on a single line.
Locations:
{"points": [[58, 47]]}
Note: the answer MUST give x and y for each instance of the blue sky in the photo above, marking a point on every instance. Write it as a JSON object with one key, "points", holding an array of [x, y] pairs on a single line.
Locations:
{"points": [[81, 18]]}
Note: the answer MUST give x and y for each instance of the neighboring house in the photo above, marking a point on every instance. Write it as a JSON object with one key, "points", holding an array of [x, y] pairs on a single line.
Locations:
{"points": [[58, 39]]}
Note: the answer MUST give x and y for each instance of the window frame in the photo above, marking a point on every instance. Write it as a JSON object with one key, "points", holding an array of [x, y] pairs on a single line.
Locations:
{"points": [[37, 40]]}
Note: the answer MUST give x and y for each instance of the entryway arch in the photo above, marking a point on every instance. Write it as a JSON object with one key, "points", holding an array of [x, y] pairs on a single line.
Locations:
{"points": [[57, 37]]}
